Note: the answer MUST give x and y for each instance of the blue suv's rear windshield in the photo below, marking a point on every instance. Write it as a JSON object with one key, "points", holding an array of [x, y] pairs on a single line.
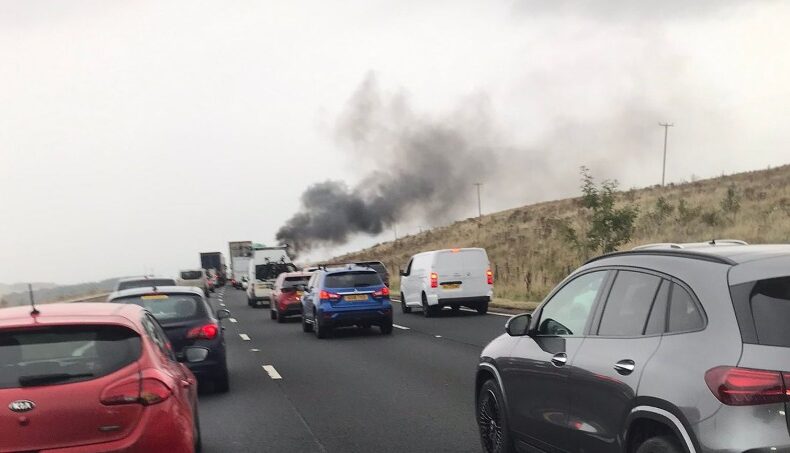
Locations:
{"points": [[352, 279]]}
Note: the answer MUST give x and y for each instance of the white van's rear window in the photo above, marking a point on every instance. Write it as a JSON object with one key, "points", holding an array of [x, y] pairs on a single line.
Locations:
{"points": [[462, 260]]}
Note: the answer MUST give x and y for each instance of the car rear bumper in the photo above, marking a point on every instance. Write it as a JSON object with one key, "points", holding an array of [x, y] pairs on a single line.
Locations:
{"points": [[356, 317], [157, 430], [290, 309], [467, 301]]}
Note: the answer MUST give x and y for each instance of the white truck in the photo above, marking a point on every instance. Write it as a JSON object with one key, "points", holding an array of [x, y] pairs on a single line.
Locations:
{"points": [[266, 265], [241, 268]]}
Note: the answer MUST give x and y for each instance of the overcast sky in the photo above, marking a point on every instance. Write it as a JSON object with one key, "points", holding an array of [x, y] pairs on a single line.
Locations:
{"points": [[134, 134]]}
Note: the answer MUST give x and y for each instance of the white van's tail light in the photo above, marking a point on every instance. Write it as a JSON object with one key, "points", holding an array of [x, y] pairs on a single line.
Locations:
{"points": [[747, 387], [490, 277], [434, 280]]}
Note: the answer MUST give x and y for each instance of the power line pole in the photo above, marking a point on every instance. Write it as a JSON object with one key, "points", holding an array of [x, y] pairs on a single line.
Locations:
{"points": [[666, 127], [479, 206]]}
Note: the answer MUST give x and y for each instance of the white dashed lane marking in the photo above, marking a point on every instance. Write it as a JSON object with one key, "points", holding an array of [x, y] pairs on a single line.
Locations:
{"points": [[438, 336], [507, 315], [401, 327], [272, 372], [244, 336], [233, 320]]}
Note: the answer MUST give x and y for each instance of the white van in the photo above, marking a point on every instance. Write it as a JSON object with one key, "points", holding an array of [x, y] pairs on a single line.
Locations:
{"points": [[265, 266], [447, 278], [194, 277]]}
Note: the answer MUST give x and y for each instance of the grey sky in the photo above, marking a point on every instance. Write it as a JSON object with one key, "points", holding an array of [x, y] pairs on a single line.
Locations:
{"points": [[135, 134]]}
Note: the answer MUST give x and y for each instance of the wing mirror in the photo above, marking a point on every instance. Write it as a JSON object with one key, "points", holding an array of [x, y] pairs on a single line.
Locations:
{"points": [[223, 313], [518, 326]]}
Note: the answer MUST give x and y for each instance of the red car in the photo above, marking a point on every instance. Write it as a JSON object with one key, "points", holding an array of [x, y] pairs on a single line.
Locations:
{"points": [[287, 294], [92, 377]]}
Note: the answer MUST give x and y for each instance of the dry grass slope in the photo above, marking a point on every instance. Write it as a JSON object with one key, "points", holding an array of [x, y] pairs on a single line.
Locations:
{"points": [[530, 256]]}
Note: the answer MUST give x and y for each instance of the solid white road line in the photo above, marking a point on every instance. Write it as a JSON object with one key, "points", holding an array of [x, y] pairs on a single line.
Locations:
{"points": [[507, 315], [272, 372], [244, 336], [233, 320], [401, 327]]}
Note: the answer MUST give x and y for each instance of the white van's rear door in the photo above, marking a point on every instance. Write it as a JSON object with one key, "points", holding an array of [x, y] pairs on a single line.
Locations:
{"points": [[462, 273]]}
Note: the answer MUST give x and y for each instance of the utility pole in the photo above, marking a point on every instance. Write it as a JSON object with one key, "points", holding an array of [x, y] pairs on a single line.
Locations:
{"points": [[666, 127], [479, 206]]}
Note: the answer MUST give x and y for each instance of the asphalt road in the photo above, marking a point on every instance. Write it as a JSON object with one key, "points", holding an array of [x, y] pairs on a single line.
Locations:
{"points": [[358, 391]]}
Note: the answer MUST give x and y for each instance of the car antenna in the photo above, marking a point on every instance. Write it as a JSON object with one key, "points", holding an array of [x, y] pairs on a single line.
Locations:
{"points": [[35, 311]]}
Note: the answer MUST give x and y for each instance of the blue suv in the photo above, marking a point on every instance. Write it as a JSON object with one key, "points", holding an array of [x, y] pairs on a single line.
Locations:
{"points": [[349, 296]]}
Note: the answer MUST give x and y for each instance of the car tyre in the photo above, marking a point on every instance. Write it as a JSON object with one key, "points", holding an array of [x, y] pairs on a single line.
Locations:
{"points": [[198, 436], [321, 331], [279, 316], [482, 308], [306, 326], [660, 444], [222, 383], [273, 314], [427, 310], [403, 307], [386, 327], [492, 419]]}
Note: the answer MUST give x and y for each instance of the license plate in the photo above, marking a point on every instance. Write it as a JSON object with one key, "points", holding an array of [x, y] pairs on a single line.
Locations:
{"points": [[356, 297], [451, 285]]}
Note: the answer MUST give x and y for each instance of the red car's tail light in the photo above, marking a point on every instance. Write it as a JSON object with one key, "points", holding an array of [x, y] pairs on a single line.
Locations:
{"points": [[148, 392], [326, 295], [490, 277], [383, 292], [434, 280], [747, 387], [204, 332]]}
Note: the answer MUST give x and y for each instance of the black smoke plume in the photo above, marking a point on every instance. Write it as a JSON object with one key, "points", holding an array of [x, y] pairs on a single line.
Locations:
{"points": [[415, 166]]}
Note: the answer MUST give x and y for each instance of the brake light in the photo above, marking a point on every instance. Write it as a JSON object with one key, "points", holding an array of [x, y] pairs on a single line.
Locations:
{"points": [[434, 280], [204, 332], [490, 277], [148, 392], [383, 292], [747, 387], [326, 295]]}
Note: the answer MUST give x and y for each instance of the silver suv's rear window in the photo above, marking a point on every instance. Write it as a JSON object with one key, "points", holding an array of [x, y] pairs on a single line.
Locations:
{"points": [[763, 310], [62, 354]]}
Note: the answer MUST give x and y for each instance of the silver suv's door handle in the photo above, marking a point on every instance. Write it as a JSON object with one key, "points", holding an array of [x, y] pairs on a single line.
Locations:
{"points": [[559, 359], [625, 366]]}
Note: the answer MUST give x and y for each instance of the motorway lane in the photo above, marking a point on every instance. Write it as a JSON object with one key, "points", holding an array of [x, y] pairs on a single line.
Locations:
{"points": [[358, 391]]}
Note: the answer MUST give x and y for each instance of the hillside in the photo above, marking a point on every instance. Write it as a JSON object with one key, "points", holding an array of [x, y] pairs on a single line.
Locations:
{"points": [[530, 254], [56, 293]]}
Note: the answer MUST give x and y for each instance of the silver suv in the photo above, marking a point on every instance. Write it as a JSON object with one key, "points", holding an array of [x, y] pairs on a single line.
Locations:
{"points": [[662, 349]]}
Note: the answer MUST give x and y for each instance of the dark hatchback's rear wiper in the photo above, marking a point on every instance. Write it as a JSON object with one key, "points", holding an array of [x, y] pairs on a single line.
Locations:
{"points": [[53, 378]]}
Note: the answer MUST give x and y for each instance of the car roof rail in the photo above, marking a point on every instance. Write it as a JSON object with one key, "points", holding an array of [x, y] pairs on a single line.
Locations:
{"points": [[658, 245], [673, 252]]}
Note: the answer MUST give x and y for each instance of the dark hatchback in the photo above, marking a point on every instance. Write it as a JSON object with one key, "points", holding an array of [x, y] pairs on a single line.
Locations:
{"points": [[191, 325]]}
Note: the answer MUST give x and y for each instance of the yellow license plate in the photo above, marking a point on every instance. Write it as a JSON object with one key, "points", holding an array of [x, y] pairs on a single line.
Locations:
{"points": [[451, 286], [355, 297]]}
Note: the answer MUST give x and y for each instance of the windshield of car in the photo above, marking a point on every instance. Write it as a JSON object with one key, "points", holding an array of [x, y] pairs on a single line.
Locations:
{"points": [[352, 279], [270, 271], [60, 354], [146, 283], [191, 275], [169, 307], [293, 282]]}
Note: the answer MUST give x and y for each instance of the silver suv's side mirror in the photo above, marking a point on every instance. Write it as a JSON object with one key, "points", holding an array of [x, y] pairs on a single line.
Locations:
{"points": [[518, 326]]}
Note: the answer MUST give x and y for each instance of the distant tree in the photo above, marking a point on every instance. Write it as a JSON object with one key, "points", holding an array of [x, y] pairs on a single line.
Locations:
{"points": [[731, 203], [607, 227]]}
